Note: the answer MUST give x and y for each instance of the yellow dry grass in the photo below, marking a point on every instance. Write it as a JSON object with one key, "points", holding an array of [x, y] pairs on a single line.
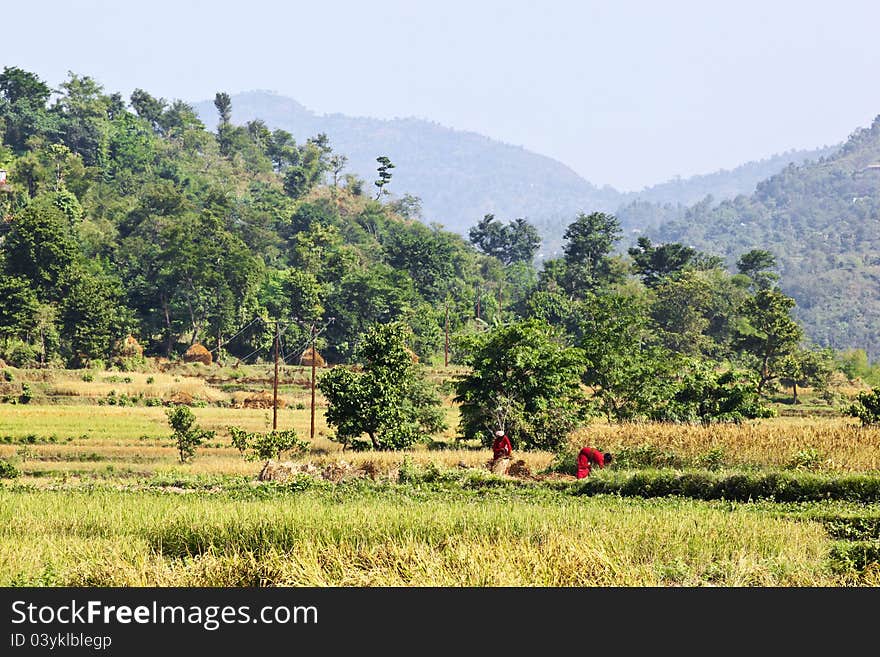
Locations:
{"points": [[109, 538], [841, 443]]}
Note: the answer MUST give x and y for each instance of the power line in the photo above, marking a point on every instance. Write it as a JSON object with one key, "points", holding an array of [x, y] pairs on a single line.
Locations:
{"points": [[242, 330]]}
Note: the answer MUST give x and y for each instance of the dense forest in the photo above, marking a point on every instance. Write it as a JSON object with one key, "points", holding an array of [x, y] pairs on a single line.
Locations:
{"points": [[129, 217]]}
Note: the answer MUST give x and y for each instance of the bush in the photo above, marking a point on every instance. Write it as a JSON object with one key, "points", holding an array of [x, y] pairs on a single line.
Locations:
{"points": [[19, 354], [26, 394], [866, 407], [8, 376], [777, 486], [805, 459], [7, 470], [855, 556], [265, 446], [713, 459], [564, 461], [646, 456], [88, 377], [187, 435]]}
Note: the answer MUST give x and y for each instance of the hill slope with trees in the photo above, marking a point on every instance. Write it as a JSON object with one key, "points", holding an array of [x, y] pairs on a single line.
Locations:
{"points": [[462, 176], [130, 217], [821, 220]]}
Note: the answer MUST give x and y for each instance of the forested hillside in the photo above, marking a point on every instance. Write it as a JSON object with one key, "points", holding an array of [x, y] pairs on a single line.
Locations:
{"points": [[130, 217], [461, 176], [822, 222]]}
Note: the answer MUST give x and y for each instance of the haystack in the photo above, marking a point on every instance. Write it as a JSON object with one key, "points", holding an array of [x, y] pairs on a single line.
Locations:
{"points": [[197, 354], [181, 398], [262, 399], [519, 469], [130, 348], [499, 466], [310, 356]]}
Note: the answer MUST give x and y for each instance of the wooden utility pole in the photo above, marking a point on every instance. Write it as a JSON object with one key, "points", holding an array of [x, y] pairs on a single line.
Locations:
{"points": [[314, 358], [275, 384], [446, 353]]}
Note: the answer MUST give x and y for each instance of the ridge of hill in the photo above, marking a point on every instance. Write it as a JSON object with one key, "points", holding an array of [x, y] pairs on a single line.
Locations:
{"points": [[481, 175]]}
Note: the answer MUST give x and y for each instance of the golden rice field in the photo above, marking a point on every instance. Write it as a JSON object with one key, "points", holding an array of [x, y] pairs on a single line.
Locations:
{"points": [[133, 539]]}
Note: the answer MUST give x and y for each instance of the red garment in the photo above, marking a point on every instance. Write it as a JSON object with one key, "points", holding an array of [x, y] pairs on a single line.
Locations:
{"points": [[587, 457], [501, 447]]}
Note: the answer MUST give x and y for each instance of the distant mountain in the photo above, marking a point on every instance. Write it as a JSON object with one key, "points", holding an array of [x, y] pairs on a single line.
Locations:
{"points": [[668, 201], [822, 222], [727, 183], [460, 176]]}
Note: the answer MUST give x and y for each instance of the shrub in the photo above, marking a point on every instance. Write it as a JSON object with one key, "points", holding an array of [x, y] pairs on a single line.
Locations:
{"points": [[713, 459], [564, 461], [19, 354], [646, 456], [26, 394], [8, 376], [150, 380], [265, 446], [805, 459], [7, 470], [777, 486], [855, 556], [187, 435], [866, 407], [88, 377]]}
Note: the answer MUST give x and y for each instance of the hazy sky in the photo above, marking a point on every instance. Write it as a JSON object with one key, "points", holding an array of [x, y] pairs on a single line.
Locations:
{"points": [[626, 93]]}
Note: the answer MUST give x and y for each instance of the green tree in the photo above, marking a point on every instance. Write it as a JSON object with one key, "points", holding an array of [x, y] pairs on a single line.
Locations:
{"points": [[384, 171], [654, 263], [769, 334], [41, 246], [524, 380], [148, 108], [806, 367], [517, 241], [187, 434], [680, 312], [91, 321], [23, 114], [758, 266], [590, 240], [18, 307], [708, 395], [389, 399], [629, 374]]}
